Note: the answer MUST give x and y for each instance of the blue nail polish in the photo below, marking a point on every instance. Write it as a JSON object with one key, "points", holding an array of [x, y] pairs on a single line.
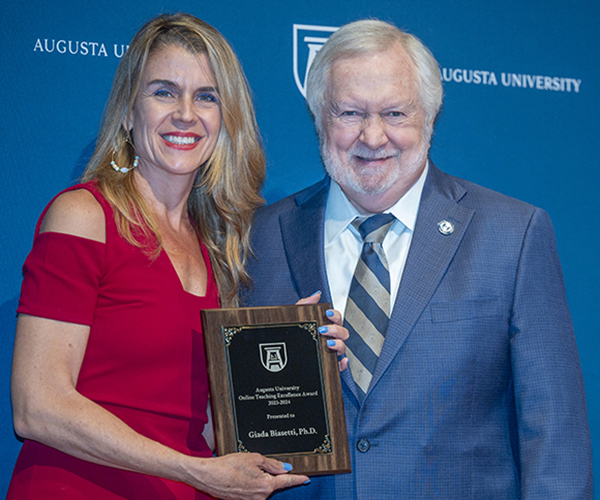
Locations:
{"points": [[318, 291], [287, 467], [331, 343], [306, 482], [323, 329], [329, 313]]}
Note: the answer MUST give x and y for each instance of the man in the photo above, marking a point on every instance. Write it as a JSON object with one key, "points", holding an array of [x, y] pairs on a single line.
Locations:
{"points": [[473, 390]]}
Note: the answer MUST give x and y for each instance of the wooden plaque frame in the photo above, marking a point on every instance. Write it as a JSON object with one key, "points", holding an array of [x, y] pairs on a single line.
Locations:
{"points": [[218, 325]]}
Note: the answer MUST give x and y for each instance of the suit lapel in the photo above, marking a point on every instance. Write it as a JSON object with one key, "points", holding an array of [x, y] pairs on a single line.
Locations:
{"points": [[303, 233], [428, 259], [302, 230]]}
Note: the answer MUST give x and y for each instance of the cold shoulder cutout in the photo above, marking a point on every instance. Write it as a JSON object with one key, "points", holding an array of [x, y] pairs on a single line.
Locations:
{"points": [[77, 213]]}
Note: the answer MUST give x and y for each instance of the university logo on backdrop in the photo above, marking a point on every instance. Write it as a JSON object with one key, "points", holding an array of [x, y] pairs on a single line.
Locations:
{"points": [[308, 39]]}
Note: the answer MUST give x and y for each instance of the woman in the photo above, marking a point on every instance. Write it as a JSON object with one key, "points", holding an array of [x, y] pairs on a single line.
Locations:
{"points": [[109, 382]]}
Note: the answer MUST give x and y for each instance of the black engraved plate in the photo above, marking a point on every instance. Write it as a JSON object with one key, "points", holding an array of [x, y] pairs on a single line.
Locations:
{"points": [[276, 389]]}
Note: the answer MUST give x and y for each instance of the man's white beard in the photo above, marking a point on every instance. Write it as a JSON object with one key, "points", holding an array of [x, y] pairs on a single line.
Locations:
{"points": [[377, 180]]}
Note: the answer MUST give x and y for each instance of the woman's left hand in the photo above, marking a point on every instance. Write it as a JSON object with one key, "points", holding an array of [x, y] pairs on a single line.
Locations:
{"points": [[336, 331]]}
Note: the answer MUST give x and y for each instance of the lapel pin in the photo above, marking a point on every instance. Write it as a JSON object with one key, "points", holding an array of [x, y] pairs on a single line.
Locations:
{"points": [[445, 227]]}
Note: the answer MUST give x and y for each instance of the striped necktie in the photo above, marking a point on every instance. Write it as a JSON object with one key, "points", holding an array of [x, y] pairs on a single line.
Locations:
{"points": [[368, 306]]}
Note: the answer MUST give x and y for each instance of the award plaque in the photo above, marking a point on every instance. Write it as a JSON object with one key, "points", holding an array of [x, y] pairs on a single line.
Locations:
{"points": [[275, 386]]}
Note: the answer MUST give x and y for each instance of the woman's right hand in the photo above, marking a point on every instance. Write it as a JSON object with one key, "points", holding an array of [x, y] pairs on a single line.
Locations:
{"points": [[241, 476]]}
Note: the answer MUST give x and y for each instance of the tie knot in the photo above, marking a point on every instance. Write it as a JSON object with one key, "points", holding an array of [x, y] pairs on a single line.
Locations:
{"points": [[374, 228]]}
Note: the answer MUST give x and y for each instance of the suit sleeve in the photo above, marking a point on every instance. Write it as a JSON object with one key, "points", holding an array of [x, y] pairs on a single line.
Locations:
{"points": [[554, 442]]}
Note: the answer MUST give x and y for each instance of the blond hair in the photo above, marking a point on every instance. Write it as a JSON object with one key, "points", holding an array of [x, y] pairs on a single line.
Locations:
{"points": [[226, 191]]}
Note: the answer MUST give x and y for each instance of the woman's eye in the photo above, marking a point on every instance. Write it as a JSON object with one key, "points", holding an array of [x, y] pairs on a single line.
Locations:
{"points": [[206, 97], [162, 93]]}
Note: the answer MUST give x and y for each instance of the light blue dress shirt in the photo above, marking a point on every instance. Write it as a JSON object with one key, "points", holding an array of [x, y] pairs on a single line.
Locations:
{"points": [[343, 243]]}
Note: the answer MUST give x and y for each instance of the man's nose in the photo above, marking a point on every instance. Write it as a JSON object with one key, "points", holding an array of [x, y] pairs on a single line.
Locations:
{"points": [[373, 134]]}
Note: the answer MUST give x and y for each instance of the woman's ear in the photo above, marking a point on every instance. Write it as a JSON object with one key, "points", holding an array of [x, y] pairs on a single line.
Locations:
{"points": [[128, 123]]}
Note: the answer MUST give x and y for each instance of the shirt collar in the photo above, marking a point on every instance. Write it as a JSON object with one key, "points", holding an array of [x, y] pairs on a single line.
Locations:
{"points": [[339, 212]]}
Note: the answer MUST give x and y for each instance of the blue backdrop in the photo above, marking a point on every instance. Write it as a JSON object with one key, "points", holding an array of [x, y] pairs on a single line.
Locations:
{"points": [[520, 116]]}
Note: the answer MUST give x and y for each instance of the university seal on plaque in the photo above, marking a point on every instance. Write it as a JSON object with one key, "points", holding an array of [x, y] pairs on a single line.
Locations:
{"points": [[273, 356]]}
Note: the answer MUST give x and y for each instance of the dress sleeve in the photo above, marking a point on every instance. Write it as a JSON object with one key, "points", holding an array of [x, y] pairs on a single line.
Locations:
{"points": [[61, 278]]}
